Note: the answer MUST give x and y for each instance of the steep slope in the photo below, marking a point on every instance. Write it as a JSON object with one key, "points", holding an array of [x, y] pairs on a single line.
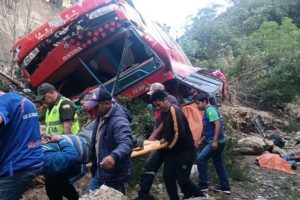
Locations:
{"points": [[39, 11]]}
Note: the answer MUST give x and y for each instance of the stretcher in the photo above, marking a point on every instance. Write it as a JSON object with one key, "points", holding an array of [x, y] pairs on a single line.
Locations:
{"points": [[148, 147]]}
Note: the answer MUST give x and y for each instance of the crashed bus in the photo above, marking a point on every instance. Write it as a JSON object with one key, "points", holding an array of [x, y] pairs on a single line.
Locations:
{"points": [[109, 43]]}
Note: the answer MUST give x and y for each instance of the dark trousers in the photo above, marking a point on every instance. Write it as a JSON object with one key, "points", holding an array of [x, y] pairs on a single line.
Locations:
{"points": [[153, 163], [12, 187], [177, 167], [58, 187]]}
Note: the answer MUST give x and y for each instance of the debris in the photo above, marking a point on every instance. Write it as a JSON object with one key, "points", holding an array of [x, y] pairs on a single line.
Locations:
{"points": [[104, 193]]}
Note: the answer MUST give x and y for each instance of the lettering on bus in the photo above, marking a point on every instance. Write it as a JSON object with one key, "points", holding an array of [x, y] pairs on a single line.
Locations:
{"points": [[141, 88], [72, 53]]}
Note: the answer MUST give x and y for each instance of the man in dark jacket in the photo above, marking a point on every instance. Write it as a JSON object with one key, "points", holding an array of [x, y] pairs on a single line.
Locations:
{"points": [[179, 155], [111, 142]]}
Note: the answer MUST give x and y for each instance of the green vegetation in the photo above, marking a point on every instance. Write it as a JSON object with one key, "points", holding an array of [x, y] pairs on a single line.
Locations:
{"points": [[257, 43], [143, 121], [143, 124]]}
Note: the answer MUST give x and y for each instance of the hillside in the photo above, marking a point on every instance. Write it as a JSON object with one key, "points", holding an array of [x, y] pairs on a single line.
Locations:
{"points": [[29, 14]]}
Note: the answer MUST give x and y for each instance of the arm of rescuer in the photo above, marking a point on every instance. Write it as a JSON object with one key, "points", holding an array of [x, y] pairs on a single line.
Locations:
{"points": [[59, 161], [154, 135], [216, 134], [67, 113], [1, 120]]}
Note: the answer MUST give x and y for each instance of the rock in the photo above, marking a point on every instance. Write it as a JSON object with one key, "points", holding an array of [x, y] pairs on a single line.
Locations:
{"points": [[241, 118], [160, 186], [278, 150], [293, 109], [268, 145], [104, 193], [252, 145], [297, 139], [202, 198], [194, 173], [296, 153], [286, 123]]}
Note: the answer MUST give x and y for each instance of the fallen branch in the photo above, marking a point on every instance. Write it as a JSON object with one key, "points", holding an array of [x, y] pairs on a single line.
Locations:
{"points": [[17, 83], [234, 80]]}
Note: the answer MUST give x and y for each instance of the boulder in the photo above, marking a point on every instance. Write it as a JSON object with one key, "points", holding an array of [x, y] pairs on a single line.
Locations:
{"points": [[241, 118], [104, 193], [269, 144], [293, 109], [252, 145], [278, 150], [296, 152], [297, 139]]}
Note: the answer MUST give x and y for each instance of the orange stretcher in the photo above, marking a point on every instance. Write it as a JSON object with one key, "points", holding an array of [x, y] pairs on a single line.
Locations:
{"points": [[149, 146]]}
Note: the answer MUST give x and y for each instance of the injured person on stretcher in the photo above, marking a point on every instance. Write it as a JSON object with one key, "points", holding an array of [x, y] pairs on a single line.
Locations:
{"points": [[66, 158]]}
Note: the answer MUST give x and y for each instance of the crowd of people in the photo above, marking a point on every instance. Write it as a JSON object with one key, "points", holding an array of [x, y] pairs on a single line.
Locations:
{"points": [[62, 152]]}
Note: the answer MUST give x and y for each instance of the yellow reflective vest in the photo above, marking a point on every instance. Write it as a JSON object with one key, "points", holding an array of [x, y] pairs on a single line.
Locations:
{"points": [[53, 123]]}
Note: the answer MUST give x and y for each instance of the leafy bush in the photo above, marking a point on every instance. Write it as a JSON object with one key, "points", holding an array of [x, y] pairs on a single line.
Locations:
{"points": [[274, 53], [143, 124], [143, 121]]}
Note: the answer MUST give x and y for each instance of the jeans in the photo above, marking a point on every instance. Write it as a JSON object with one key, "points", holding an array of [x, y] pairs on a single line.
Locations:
{"points": [[178, 168], [12, 187], [96, 183], [153, 163], [218, 163]]}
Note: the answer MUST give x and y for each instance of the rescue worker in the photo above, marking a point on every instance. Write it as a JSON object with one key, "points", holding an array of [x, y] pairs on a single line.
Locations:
{"points": [[179, 155], [61, 117], [155, 158], [214, 141], [21, 156], [111, 142]]}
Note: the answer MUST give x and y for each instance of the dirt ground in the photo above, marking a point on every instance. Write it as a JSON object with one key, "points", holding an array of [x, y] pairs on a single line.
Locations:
{"points": [[271, 184]]}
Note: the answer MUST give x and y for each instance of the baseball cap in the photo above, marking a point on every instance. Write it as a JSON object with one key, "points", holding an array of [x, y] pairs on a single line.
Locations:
{"points": [[43, 89], [155, 87], [97, 96]]}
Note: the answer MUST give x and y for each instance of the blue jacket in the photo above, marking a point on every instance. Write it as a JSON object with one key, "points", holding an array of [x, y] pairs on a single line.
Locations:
{"points": [[116, 140], [59, 157], [20, 139]]}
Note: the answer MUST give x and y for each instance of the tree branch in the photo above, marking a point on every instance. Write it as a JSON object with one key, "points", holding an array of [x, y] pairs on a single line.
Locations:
{"points": [[234, 80], [17, 83]]}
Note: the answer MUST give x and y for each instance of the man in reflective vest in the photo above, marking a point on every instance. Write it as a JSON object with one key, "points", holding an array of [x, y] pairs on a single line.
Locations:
{"points": [[61, 117]]}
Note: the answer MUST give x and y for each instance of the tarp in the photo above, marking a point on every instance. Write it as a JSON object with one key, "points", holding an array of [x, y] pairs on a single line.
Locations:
{"points": [[274, 161], [194, 116]]}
